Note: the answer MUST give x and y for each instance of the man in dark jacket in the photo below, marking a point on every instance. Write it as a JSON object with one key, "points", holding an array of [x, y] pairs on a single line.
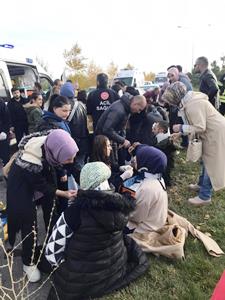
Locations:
{"points": [[4, 132], [208, 81], [17, 114], [113, 120], [100, 99]]}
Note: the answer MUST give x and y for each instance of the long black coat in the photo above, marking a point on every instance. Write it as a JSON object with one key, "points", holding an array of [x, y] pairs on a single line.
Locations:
{"points": [[99, 258], [21, 185], [114, 120]]}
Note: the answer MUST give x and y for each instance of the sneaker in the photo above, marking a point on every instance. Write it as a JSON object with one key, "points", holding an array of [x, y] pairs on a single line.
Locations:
{"points": [[32, 272], [198, 201], [194, 187]]}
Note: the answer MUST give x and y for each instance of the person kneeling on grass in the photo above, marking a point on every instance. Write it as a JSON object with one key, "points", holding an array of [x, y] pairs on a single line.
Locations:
{"points": [[87, 244], [151, 197]]}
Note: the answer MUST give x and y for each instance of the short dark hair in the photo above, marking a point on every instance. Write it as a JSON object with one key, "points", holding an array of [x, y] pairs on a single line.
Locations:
{"points": [[56, 81], [34, 96], [58, 101], [116, 87], [172, 66], [203, 60], [15, 89], [69, 80], [102, 80], [179, 67], [120, 83], [131, 90], [164, 126]]}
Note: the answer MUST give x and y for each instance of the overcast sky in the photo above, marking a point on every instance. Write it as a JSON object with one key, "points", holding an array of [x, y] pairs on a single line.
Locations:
{"points": [[144, 33]]}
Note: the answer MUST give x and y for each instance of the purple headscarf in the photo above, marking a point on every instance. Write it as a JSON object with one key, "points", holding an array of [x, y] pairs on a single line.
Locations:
{"points": [[151, 158], [59, 146]]}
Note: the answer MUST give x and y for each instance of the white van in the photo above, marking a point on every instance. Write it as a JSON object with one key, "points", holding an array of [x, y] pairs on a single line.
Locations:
{"points": [[133, 78], [21, 72], [161, 78]]}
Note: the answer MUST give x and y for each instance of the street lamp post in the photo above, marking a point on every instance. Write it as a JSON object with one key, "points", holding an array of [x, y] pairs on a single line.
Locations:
{"points": [[191, 29]]}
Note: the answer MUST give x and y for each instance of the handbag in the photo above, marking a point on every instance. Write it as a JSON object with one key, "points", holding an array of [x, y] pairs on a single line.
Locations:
{"points": [[194, 151]]}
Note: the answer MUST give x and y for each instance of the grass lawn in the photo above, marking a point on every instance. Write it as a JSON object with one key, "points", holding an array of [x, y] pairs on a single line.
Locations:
{"points": [[196, 276]]}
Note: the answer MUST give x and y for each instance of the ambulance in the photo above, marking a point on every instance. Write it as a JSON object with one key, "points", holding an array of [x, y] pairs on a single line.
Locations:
{"points": [[21, 72], [133, 78]]}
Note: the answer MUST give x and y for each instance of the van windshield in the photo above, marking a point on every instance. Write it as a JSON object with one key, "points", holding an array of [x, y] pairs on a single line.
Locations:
{"points": [[126, 80], [22, 76], [160, 79]]}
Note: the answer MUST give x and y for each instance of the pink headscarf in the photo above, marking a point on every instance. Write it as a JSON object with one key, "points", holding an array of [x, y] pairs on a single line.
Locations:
{"points": [[59, 147], [174, 71]]}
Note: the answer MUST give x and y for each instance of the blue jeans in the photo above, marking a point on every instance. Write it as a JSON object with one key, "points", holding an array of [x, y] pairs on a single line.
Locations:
{"points": [[205, 185]]}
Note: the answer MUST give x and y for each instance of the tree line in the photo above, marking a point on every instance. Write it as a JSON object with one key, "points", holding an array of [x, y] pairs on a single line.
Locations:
{"points": [[85, 72]]}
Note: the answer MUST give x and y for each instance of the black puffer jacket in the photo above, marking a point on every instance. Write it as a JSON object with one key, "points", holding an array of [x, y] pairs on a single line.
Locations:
{"points": [[99, 258], [114, 119]]}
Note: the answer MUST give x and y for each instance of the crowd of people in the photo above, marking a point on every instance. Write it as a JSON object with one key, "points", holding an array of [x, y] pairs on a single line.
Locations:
{"points": [[75, 155]]}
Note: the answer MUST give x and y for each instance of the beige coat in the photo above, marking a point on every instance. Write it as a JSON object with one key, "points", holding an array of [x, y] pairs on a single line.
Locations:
{"points": [[151, 207], [204, 119], [170, 239]]}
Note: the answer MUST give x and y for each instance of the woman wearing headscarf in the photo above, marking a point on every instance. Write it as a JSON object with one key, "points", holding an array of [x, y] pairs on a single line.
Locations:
{"points": [[87, 244], [151, 209], [200, 117], [31, 177]]}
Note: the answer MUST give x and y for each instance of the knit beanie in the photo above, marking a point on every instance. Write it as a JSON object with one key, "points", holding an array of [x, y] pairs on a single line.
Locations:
{"points": [[151, 158], [175, 93], [67, 90], [93, 174], [59, 147]]}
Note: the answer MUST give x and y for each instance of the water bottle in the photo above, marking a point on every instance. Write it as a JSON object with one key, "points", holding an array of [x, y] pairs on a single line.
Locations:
{"points": [[72, 185]]}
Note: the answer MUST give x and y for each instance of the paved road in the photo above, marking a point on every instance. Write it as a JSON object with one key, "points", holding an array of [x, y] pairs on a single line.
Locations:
{"points": [[17, 266]]}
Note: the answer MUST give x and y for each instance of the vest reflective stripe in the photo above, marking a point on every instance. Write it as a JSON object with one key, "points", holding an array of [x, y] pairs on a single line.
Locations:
{"points": [[222, 98]]}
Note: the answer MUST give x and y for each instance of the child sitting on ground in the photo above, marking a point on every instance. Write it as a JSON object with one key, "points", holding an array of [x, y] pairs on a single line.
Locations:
{"points": [[165, 144]]}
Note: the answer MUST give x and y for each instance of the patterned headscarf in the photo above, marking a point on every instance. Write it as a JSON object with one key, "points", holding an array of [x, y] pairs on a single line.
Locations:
{"points": [[174, 93]]}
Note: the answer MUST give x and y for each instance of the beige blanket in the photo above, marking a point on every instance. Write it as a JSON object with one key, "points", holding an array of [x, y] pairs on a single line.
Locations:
{"points": [[169, 240]]}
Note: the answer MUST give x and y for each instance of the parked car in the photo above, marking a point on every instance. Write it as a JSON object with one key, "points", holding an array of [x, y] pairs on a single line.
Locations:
{"points": [[149, 87]]}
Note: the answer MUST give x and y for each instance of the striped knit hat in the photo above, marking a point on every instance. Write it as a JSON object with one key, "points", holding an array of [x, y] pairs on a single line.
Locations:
{"points": [[174, 93]]}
